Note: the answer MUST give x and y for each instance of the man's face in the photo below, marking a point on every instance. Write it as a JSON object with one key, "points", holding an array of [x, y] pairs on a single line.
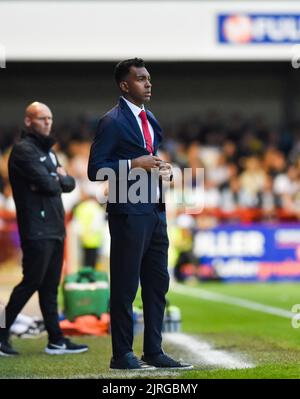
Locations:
{"points": [[40, 120], [137, 85]]}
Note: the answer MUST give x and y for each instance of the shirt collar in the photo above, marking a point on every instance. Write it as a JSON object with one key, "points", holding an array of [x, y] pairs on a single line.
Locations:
{"points": [[134, 108]]}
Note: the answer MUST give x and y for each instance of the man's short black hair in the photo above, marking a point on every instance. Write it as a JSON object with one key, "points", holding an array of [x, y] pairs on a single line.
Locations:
{"points": [[123, 67]]}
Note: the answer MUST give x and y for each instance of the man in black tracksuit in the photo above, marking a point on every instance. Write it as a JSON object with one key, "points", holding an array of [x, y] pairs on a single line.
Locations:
{"points": [[37, 181]]}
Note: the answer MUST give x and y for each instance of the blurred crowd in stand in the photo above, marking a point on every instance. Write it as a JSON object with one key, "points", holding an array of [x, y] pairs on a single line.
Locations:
{"points": [[248, 165]]}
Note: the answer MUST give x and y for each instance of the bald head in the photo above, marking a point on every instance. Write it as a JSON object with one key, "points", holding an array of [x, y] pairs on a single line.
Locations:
{"points": [[38, 117]]}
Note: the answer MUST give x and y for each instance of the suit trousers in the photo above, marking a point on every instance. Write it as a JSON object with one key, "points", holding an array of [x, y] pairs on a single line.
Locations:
{"points": [[42, 265], [139, 252]]}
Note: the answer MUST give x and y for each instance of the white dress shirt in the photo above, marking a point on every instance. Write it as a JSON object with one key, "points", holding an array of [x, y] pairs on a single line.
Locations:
{"points": [[136, 111]]}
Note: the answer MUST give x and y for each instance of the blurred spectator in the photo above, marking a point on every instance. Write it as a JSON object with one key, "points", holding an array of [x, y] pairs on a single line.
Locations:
{"points": [[252, 180], [287, 187], [89, 217], [181, 248], [231, 196], [6, 199], [230, 152], [220, 174], [274, 161]]}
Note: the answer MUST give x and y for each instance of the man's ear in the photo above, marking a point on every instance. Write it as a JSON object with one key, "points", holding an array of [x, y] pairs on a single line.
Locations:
{"points": [[124, 87], [27, 121]]}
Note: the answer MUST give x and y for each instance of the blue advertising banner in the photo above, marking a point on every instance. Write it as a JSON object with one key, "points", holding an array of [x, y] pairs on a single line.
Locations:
{"points": [[258, 28], [254, 252]]}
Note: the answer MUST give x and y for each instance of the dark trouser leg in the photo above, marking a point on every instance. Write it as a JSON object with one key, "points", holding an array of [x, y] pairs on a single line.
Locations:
{"points": [[129, 236], [48, 290], [36, 257], [155, 284]]}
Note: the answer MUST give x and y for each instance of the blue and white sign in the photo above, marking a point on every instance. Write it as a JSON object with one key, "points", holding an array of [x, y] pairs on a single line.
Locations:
{"points": [[259, 28], [255, 252]]}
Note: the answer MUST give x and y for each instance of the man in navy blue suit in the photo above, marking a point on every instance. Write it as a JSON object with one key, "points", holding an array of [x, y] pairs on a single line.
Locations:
{"points": [[126, 141]]}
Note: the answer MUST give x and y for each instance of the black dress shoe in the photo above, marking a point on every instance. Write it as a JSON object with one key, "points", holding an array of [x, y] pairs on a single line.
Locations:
{"points": [[164, 361], [129, 362]]}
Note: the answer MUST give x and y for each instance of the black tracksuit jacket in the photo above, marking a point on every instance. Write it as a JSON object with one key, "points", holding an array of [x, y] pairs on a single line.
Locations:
{"points": [[37, 188]]}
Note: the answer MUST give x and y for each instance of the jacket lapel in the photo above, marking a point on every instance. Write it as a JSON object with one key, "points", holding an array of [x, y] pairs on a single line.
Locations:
{"points": [[135, 129], [130, 118], [154, 123]]}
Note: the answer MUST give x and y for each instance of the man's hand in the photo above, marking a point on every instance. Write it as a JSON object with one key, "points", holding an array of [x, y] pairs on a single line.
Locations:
{"points": [[146, 162], [165, 171], [61, 171]]}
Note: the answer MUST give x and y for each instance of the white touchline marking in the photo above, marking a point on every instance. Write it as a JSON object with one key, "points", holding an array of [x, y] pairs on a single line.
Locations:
{"points": [[244, 303], [202, 353]]}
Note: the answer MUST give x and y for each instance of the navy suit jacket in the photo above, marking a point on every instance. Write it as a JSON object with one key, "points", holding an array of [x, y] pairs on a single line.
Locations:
{"points": [[118, 139]]}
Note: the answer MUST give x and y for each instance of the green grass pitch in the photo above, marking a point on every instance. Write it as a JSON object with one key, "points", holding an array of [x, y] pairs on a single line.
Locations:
{"points": [[268, 341]]}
